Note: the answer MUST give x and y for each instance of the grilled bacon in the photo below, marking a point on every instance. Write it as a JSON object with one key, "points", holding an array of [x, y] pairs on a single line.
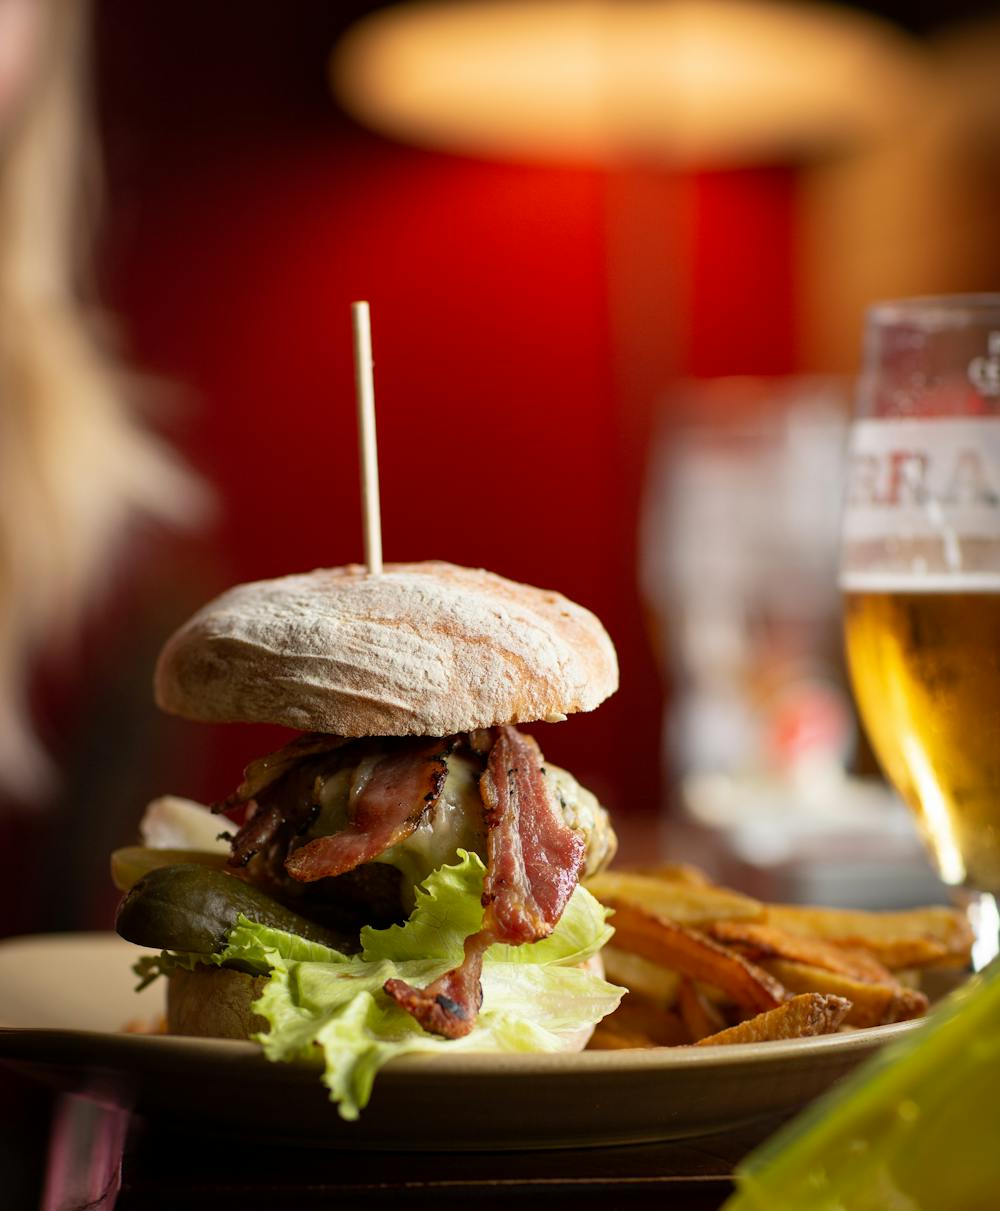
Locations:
{"points": [[533, 864], [265, 771], [533, 857], [259, 831], [392, 792]]}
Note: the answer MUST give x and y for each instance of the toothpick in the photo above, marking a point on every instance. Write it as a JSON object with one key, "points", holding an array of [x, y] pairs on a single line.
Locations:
{"points": [[368, 451]]}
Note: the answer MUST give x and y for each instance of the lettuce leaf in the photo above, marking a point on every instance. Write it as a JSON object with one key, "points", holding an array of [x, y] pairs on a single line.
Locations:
{"points": [[323, 1004]]}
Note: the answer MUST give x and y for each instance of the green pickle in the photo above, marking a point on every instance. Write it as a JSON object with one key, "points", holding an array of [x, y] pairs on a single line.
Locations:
{"points": [[192, 908], [915, 1129]]}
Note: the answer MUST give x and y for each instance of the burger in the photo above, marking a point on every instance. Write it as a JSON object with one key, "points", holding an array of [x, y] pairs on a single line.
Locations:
{"points": [[404, 874]]}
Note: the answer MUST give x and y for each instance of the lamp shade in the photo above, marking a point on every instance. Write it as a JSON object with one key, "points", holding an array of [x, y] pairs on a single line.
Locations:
{"points": [[703, 81]]}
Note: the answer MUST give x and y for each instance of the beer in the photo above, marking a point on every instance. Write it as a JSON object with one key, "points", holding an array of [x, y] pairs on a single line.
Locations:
{"points": [[926, 672]]}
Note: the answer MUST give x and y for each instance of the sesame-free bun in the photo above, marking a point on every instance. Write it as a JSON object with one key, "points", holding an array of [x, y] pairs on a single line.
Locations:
{"points": [[425, 649], [214, 1003]]}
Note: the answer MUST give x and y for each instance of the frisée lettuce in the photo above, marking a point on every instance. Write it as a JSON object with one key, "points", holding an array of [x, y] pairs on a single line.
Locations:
{"points": [[320, 1003]]}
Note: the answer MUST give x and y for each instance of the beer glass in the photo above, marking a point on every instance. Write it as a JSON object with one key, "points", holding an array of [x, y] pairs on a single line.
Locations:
{"points": [[920, 574]]}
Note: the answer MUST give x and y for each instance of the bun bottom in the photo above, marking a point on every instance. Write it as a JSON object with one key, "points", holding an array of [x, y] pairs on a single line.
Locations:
{"points": [[215, 1003]]}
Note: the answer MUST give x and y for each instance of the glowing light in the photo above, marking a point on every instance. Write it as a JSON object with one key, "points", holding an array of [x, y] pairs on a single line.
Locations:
{"points": [[730, 80], [936, 817]]}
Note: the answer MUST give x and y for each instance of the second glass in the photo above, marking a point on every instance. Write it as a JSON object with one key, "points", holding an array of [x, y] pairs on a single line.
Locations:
{"points": [[920, 571]]}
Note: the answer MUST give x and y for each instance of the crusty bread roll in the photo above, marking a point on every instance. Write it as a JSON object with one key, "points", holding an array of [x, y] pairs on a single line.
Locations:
{"points": [[214, 1003], [426, 649]]}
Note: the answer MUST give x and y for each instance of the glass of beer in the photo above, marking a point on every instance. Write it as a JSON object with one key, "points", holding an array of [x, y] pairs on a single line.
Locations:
{"points": [[920, 573]]}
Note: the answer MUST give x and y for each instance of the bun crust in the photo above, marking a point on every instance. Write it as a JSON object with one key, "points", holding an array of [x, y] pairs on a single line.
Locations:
{"points": [[214, 1003], [426, 649]]}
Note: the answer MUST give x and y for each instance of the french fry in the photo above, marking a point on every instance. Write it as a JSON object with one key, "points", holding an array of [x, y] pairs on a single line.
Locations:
{"points": [[871, 1004], [758, 942], [801, 1017], [700, 1016], [684, 903], [692, 954], [675, 872], [920, 937], [704, 955], [663, 1027], [609, 1037], [154, 1025], [650, 980]]}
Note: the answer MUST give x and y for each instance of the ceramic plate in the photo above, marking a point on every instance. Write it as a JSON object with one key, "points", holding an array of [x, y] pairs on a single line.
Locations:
{"points": [[65, 998]]}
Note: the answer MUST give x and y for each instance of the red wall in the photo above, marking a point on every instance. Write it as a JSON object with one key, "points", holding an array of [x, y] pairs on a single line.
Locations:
{"points": [[247, 214], [528, 321]]}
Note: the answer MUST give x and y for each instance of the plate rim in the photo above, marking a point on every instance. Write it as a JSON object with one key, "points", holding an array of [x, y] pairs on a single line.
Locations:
{"points": [[232, 1052]]}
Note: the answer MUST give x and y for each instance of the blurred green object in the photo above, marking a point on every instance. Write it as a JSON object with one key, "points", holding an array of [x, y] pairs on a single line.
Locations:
{"points": [[915, 1129]]}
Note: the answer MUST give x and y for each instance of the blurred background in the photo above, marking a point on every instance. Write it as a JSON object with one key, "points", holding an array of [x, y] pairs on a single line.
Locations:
{"points": [[617, 256]]}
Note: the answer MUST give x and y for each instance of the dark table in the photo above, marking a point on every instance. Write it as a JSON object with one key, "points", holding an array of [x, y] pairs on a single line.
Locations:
{"points": [[101, 1158]]}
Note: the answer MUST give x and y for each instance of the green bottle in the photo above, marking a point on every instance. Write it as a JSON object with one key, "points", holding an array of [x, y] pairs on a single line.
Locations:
{"points": [[915, 1129]]}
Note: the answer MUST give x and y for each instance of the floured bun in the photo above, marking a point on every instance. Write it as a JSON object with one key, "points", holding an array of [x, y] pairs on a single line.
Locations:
{"points": [[214, 1003], [425, 649]]}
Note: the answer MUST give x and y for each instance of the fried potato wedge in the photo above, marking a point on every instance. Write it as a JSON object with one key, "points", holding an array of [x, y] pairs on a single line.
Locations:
{"points": [[685, 903], [920, 937], [656, 983], [694, 955], [758, 942], [699, 1015], [609, 1037], [803, 1016], [675, 872], [704, 955], [636, 1019], [870, 1004]]}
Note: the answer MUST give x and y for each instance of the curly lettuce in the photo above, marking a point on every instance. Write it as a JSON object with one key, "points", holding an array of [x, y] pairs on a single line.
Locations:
{"points": [[323, 1005]]}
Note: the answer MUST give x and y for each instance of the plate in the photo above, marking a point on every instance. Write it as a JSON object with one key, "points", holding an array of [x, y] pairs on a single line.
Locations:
{"points": [[65, 998]]}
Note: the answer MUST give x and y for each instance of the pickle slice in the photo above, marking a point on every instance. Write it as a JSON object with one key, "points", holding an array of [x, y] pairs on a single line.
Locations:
{"points": [[192, 908]]}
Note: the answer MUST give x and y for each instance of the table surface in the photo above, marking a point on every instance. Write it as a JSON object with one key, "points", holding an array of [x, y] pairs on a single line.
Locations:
{"points": [[103, 1159]]}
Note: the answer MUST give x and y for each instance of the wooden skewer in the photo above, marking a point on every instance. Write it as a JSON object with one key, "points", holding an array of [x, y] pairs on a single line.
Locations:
{"points": [[368, 450]]}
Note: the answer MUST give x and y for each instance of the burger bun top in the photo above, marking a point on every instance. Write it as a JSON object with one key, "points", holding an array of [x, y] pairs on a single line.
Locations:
{"points": [[424, 649]]}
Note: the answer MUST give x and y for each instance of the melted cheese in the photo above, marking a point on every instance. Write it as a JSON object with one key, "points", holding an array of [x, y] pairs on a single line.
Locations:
{"points": [[455, 821]]}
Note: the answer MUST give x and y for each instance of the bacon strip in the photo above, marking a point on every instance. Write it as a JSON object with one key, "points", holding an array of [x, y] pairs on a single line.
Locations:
{"points": [[450, 1005], [264, 771], [404, 783], [533, 857], [285, 808], [257, 833], [533, 862]]}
